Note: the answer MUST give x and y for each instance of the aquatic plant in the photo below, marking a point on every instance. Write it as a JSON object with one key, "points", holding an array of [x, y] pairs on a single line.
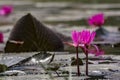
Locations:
{"points": [[6, 10], [83, 40], [96, 20], [75, 43]]}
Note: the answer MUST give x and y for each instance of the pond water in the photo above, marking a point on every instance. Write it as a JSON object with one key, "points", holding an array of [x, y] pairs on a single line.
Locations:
{"points": [[64, 17]]}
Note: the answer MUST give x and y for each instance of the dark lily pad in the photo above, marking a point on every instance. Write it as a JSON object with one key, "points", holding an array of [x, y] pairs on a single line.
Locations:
{"points": [[119, 29], [35, 35], [107, 62], [112, 70], [53, 67], [101, 33], [74, 61], [99, 58], [3, 67], [105, 35], [117, 45]]}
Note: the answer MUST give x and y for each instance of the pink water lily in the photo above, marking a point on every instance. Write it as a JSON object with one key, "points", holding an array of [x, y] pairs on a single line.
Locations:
{"points": [[96, 20], [86, 37], [75, 42], [1, 38], [83, 40], [5, 10], [96, 51], [75, 38]]}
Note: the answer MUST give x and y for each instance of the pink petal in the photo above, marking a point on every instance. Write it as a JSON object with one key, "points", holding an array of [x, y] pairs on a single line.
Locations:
{"points": [[92, 36], [96, 51], [83, 36], [2, 12], [90, 22], [88, 37], [70, 44], [101, 52], [80, 37], [75, 37]]}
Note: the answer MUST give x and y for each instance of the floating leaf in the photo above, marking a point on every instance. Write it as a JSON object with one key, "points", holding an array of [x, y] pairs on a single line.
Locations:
{"points": [[35, 35], [3, 67], [74, 61]]}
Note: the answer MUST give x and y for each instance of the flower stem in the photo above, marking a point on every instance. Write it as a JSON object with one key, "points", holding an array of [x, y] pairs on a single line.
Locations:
{"points": [[87, 64], [86, 52], [78, 69]]}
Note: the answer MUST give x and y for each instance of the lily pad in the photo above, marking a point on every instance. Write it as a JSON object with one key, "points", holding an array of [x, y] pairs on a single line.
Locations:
{"points": [[74, 61], [34, 35], [3, 67]]}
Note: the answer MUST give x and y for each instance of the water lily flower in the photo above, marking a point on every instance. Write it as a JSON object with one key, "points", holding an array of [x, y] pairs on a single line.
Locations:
{"points": [[96, 51], [83, 40], [6, 10], [75, 38], [86, 37], [96, 20], [1, 38]]}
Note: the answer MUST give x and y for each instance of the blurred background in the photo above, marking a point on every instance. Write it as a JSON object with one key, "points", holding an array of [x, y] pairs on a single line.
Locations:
{"points": [[70, 12], [64, 15]]}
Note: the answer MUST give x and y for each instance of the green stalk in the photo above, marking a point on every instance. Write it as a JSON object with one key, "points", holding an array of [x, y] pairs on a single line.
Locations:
{"points": [[78, 69], [86, 53], [87, 64]]}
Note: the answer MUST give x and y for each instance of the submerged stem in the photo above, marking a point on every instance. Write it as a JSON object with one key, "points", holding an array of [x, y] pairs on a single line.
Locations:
{"points": [[78, 69]]}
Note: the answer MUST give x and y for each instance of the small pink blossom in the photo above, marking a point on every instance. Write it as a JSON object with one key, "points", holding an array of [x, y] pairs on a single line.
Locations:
{"points": [[96, 20], [1, 38], [6, 10], [83, 40], [75, 38], [86, 37]]}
